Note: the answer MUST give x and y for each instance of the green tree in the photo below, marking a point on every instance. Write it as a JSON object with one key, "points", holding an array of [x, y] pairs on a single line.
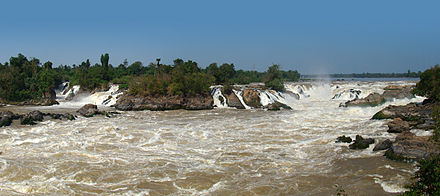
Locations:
{"points": [[273, 78]]}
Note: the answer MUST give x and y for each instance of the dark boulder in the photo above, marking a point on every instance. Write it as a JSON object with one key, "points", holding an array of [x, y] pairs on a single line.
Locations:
{"points": [[343, 139], [383, 145], [35, 115], [31, 117], [361, 143], [277, 106], [6, 118], [398, 126], [409, 147], [89, 110]]}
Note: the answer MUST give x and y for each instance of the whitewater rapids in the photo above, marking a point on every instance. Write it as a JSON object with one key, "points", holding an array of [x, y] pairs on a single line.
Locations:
{"points": [[213, 152]]}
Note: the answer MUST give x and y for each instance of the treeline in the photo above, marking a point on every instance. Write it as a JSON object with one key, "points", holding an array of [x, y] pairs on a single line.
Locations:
{"points": [[24, 79], [409, 74]]}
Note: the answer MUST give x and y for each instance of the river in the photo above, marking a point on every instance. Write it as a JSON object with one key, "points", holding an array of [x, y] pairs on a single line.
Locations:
{"points": [[222, 151]]}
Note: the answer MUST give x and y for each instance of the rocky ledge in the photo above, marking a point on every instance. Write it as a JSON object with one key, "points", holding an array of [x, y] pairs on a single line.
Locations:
{"points": [[129, 102], [391, 92], [409, 147], [415, 115], [7, 117]]}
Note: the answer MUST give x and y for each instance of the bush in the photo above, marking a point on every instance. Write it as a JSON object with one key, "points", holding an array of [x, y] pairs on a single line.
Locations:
{"points": [[429, 84], [427, 178]]}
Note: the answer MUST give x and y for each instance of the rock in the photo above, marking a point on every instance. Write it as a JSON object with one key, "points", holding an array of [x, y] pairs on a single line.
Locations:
{"points": [[398, 92], [129, 102], [361, 143], [35, 115], [277, 106], [31, 117], [417, 115], [383, 145], [65, 116], [51, 94], [251, 98], [398, 126], [233, 101], [5, 121], [89, 110], [409, 147], [343, 139], [373, 99]]}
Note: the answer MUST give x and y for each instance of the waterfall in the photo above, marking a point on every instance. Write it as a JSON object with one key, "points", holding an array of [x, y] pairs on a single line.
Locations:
{"points": [[239, 94], [220, 101]]}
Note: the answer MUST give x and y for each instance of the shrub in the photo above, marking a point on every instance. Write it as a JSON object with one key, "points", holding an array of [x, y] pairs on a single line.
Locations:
{"points": [[427, 178], [429, 84]]}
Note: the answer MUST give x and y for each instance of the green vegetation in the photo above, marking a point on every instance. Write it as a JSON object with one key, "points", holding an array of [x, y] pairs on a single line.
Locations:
{"points": [[409, 74], [427, 178], [429, 85], [274, 78], [22, 79]]}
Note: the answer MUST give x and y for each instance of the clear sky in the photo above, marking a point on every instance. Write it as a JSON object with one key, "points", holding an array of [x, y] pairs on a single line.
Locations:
{"points": [[310, 36]]}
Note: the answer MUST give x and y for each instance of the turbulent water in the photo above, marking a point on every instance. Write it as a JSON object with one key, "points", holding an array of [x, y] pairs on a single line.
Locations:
{"points": [[222, 151]]}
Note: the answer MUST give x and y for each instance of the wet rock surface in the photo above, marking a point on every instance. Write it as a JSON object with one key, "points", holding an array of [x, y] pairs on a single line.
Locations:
{"points": [[344, 139], [390, 93], [277, 106], [383, 145], [89, 110], [361, 143]]}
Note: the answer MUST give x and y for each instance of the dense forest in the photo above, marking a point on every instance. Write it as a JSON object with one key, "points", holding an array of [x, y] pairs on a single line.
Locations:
{"points": [[25, 78], [408, 74]]}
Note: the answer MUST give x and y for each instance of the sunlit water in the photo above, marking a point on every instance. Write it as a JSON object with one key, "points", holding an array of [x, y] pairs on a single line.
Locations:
{"points": [[213, 152]]}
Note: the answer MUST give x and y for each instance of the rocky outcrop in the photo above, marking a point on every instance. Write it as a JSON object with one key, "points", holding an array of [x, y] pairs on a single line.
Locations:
{"points": [[6, 118], [129, 102], [391, 92], [409, 147], [372, 99], [398, 92], [233, 101], [398, 126], [361, 143], [277, 106], [89, 110], [383, 145], [251, 98], [31, 117], [417, 115], [344, 139]]}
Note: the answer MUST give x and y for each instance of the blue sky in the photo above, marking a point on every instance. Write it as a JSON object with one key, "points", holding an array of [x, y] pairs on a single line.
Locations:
{"points": [[310, 36]]}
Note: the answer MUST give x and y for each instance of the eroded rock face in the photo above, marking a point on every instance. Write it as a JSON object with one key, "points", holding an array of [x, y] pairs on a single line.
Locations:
{"points": [[31, 117], [251, 98], [398, 126], [89, 110], [372, 99], [361, 143], [128, 102], [233, 101], [409, 147]]}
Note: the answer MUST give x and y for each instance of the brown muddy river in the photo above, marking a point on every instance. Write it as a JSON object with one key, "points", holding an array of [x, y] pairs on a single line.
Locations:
{"points": [[215, 152]]}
